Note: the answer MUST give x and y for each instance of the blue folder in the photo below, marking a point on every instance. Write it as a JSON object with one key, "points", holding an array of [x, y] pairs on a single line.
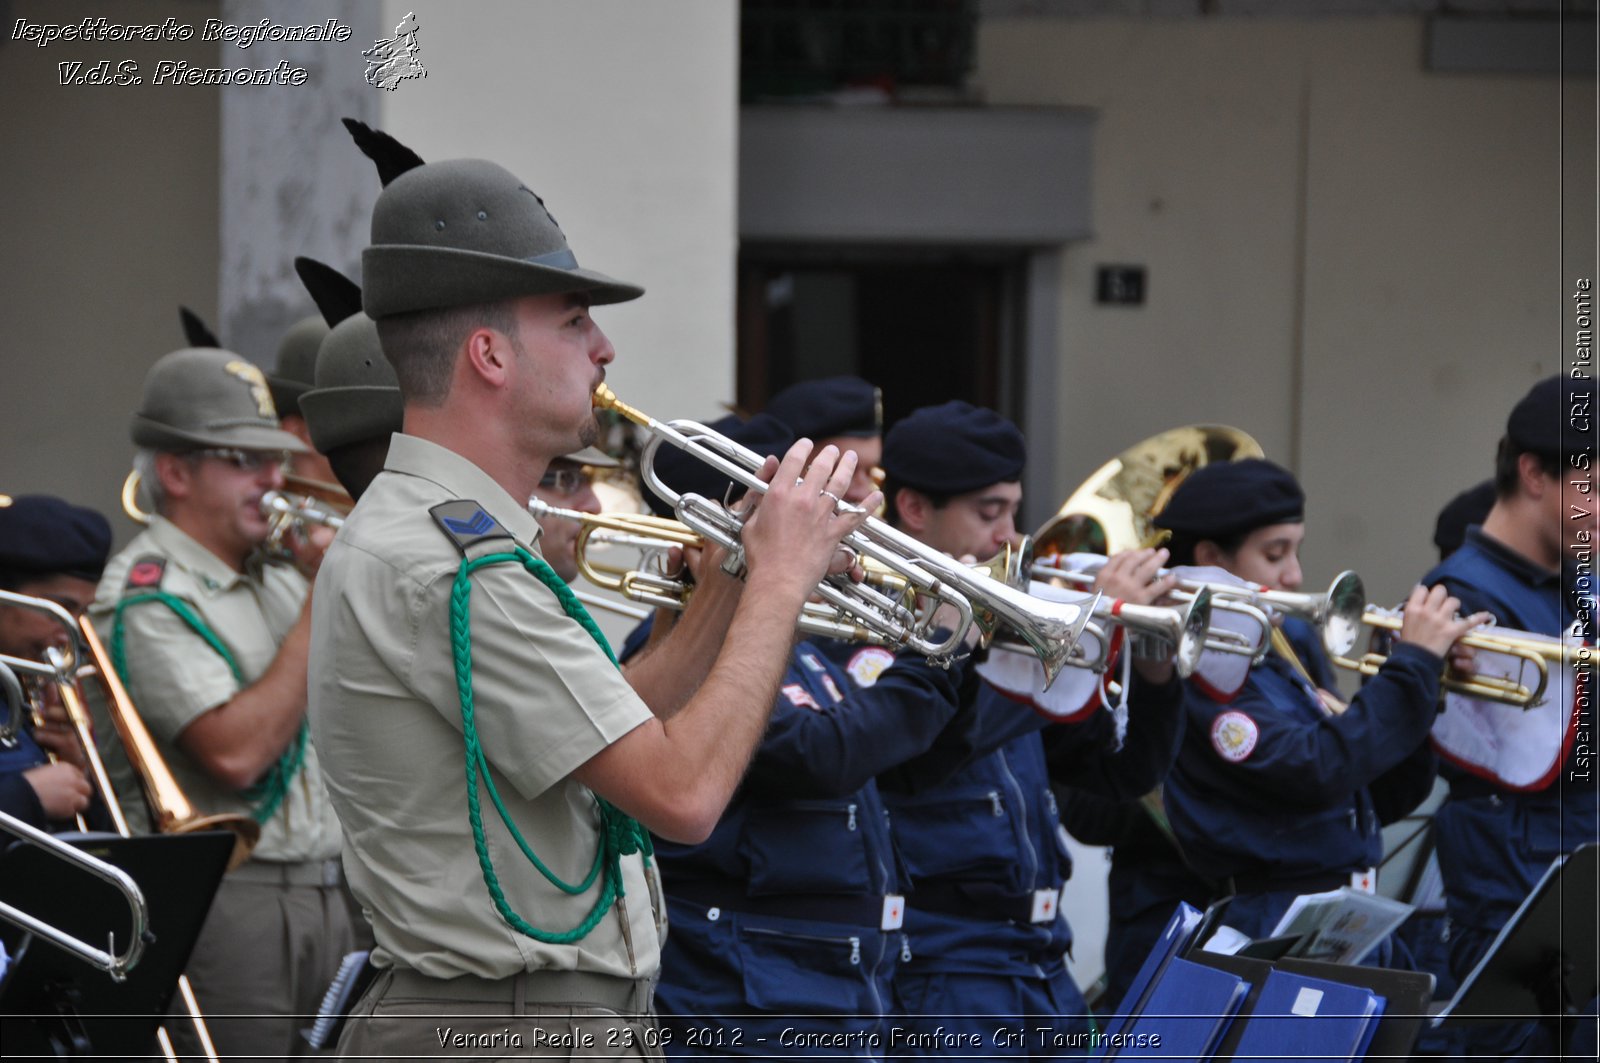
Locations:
{"points": [[1186, 1014], [1300, 1018], [1179, 932]]}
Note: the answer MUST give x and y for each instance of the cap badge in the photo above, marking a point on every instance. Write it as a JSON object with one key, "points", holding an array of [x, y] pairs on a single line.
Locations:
{"points": [[251, 375]]}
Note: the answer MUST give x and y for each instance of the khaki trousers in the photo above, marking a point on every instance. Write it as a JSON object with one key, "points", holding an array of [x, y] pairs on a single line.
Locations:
{"points": [[540, 1014], [266, 954]]}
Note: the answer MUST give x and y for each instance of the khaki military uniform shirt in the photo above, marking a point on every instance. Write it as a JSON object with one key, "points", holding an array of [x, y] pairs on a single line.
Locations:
{"points": [[174, 675], [386, 716]]}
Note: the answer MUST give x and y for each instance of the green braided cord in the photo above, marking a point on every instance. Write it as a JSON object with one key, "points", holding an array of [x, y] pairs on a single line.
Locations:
{"points": [[269, 792], [620, 835]]}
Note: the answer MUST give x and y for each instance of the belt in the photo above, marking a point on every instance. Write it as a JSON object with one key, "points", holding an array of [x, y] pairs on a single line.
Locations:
{"points": [[976, 902], [877, 910], [305, 873], [626, 996], [1320, 883]]}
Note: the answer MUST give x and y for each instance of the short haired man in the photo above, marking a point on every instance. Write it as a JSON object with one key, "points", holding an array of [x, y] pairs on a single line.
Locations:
{"points": [[444, 640], [210, 639], [53, 550], [974, 818], [1496, 840]]}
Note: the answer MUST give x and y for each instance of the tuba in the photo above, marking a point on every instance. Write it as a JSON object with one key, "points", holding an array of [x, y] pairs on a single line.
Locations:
{"points": [[1112, 510]]}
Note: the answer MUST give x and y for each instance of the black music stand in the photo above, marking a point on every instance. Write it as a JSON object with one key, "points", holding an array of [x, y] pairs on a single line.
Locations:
{"points": [[54, 1003], [1543, 966]]}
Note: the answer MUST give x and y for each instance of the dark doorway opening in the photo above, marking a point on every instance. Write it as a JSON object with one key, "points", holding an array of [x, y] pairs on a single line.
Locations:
{"points": [[924, 326]]}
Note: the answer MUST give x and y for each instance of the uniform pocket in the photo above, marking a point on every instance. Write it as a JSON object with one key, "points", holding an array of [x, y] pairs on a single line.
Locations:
{"points": [[952, 834], [806, 974], [806, 847]]}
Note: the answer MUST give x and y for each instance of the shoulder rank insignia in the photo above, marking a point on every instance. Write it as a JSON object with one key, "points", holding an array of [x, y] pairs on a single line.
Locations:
{"points": [[466, 523], [146, 573]]}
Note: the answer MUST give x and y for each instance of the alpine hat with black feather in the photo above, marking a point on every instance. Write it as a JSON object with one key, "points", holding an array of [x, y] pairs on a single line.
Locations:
{"points": [[461, 232], [356, 396]]}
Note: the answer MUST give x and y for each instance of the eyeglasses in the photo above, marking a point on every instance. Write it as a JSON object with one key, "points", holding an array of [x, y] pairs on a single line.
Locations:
{"points": [[245, 460], [566, 481]]}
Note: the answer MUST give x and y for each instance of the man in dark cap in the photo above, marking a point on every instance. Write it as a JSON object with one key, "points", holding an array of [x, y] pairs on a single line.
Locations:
{"points": [[844, 411], [210, 639], [293, 374], [53, 550], [443, 638], [979, 837], [1530, 564], [1463, 511], [765, 936], [1281, 790]]}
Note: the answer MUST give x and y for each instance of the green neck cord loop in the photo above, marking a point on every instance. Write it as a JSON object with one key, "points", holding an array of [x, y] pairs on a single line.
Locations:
{"points": [[620, 834], [268, 793]]}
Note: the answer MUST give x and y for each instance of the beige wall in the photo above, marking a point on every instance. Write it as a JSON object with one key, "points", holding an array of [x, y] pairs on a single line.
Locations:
{"points": [[1355, 260], [110, 197], [623, 117]]}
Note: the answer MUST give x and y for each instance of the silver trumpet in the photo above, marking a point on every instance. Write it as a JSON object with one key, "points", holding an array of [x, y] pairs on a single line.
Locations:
{"points": [[1242, 599], [284, 512], [116, 964], [1050, 629]]}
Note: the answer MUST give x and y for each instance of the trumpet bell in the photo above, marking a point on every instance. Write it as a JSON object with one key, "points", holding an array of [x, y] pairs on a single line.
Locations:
{"points": [[1346, 604]]}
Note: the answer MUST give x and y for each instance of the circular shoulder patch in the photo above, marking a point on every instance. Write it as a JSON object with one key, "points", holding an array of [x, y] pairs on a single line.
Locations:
{"points": [[1233, 735], [868, 664]]}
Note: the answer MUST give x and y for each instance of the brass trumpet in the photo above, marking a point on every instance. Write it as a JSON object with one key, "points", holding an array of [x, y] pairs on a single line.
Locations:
{"points": [[319, 504], [1535, 652], [1050, 629], [653, 536]]}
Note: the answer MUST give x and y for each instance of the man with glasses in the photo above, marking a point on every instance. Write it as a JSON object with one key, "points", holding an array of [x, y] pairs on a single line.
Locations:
{"points": [[211, 639]]}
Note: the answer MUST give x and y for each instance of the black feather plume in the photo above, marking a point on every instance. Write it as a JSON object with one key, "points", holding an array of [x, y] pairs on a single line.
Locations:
{"points": [[195, 331], [393, 158], [337, 296]]}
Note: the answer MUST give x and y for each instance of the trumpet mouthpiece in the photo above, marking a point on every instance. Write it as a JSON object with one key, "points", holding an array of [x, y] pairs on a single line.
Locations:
{"points": [[606, 399]]}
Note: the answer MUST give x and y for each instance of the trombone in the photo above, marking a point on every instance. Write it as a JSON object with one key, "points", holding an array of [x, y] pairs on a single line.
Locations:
{"points": [[1050, 629], [85, 657], [1505, 690], [116, 964]]}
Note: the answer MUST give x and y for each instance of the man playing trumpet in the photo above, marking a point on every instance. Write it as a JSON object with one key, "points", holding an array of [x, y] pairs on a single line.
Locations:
{"points": [[444, 640], [210, 639]]}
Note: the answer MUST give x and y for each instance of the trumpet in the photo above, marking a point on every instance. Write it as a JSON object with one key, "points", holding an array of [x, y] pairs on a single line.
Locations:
{"points": [[1050, 629], [1534, 652], [1227, 597], [653, 536], [319, 504]]}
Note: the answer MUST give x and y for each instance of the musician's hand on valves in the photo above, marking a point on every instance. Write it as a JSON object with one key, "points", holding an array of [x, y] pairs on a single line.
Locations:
{"points": [[1430, 620], [795, 530], [307, 544], [62, 790], [1133, 576], [53, 731]]}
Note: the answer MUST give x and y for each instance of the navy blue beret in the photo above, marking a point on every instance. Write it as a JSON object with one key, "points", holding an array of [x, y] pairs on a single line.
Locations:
{"points": [[686, 474], [41, 535], [835, 406], [952, 449], [1229, 497], [1469, 507], [1555, 417]]}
